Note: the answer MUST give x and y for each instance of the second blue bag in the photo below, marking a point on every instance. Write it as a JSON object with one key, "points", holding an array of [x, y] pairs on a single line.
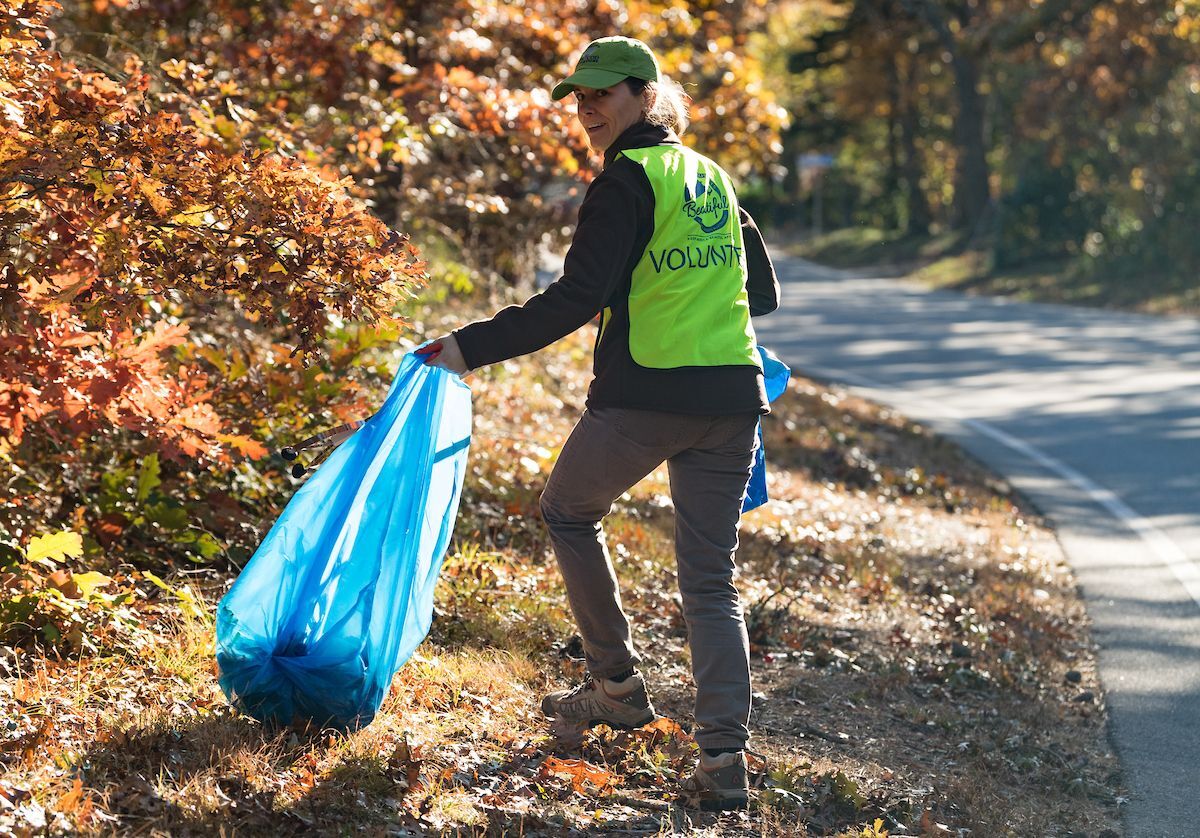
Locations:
{"points": [[340, 592], [775, 377]]}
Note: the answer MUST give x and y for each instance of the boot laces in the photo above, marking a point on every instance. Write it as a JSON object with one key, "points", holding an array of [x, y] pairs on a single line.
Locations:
{"points": [[579, 689]]}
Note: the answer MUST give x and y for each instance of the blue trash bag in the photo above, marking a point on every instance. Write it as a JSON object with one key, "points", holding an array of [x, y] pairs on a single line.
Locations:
{"points": [[340, 592], [775, 377]]}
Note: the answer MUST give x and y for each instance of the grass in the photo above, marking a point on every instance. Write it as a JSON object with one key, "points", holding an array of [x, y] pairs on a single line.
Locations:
{"points": [[891, 252], [948, 261], [921, 661]]}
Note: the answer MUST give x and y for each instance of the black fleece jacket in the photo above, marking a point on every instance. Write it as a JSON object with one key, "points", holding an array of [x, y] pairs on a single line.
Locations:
{"points": [[616, 221]]}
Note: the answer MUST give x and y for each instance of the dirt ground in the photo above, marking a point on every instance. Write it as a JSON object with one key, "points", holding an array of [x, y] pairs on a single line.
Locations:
{"points": [[921, 658]]}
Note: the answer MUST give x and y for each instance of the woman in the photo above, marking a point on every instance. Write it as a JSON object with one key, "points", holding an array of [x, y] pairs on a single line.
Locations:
{"points": [[675, 270]]}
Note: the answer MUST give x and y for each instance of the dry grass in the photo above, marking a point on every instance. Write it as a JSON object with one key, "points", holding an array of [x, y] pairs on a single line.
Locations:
{"points": [[913, 628], [949, 261]]}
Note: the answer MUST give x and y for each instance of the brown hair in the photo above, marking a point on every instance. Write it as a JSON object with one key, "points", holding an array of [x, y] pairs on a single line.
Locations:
{"points": [[670, 108]]}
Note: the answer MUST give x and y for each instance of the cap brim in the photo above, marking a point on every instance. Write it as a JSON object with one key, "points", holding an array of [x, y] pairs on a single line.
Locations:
{"points": [[588, 77]]}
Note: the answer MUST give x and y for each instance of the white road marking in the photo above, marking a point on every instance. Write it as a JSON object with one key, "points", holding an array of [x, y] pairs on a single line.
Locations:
{"points": [[1164, 548]]}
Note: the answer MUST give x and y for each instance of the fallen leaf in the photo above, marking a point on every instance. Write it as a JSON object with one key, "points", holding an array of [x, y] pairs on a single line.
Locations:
{"points": [[54, 547], [579, 772], [70, 801]]}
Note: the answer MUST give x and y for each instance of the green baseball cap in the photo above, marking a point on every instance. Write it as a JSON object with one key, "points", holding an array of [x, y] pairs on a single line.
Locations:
{"points": [[607, 61]]}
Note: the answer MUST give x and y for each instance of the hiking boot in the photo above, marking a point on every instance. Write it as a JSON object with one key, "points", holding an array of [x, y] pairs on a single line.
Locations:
{"points": [[718, 784], [618, 704]]}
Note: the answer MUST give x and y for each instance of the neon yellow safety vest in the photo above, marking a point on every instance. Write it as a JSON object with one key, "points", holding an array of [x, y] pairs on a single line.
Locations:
{"points": [[688, 305]]}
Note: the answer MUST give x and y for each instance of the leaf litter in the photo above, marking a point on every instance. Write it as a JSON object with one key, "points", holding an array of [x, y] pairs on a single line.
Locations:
{"points": [[921, 661]]}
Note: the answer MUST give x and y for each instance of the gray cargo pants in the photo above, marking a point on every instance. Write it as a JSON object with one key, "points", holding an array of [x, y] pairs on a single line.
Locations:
{"points": [[709, 459]]}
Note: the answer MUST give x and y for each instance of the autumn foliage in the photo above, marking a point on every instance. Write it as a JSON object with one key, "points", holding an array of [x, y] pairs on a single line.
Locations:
{"points": [[206, 209], [135, 235], [441, 112], [127, 218], [1057, 138]]}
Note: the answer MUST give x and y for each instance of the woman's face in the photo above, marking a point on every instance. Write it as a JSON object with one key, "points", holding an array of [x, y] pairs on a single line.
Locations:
{"points": [[606, 112]]}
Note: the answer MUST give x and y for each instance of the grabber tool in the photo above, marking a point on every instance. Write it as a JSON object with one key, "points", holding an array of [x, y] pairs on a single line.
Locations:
{"points": [[429, 351], [331, 439], [326, 440]]}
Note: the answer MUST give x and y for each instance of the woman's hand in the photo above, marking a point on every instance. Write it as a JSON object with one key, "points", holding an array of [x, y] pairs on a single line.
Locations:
{"points": [[444, 353]]}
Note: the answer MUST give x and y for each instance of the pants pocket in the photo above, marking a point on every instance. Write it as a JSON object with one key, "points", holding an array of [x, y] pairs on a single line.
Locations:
{"points": [[650, 428]]}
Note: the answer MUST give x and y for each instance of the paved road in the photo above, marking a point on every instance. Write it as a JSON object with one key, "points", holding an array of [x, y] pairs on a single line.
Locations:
{"points": [[1093, 415]]}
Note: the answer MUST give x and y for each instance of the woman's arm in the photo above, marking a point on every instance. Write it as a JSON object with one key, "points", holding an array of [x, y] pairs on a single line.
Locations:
{"points": [[762, 286], [599, 255]]}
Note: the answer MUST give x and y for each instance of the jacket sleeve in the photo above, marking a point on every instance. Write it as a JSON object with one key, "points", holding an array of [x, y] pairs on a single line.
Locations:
{"points": [[762, 286], [599, 253]]}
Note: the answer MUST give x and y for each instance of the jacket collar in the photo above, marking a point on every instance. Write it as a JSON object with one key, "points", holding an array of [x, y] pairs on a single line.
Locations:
{"points": [[639, 135]]}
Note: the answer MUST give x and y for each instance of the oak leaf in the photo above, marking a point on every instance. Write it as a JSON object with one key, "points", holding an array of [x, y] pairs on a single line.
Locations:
{"points": [[47, 549], [580, 773]]}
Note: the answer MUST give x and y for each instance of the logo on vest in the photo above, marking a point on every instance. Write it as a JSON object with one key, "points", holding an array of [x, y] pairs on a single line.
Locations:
{"points": [[708, 206]]}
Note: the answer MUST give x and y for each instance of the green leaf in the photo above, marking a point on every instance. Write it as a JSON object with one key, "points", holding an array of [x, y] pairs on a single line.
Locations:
{"points": [[46, 549], [157, 581], [207, 546], [847, 791], [11, 554], [114, 488], [238, 367], [17, 610], [169, 517], [148, 477]]}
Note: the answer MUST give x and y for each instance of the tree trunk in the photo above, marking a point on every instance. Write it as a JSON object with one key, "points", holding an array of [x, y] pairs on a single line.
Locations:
{"points": [[892, 178], [917, 216], [971, 189]]}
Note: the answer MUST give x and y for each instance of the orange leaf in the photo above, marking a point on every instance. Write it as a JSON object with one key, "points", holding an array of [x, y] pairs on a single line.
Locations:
{"points": [[670, 727], [153, 190], [579, 772], [146, 348], [77, 339], [246, 446], [70, 801]]}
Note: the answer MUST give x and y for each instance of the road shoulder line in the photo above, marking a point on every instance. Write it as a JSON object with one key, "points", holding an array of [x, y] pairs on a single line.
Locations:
{"points": [[1161, 545]]}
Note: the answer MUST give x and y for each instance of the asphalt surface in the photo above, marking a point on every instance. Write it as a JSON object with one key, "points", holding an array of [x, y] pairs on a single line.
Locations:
{"points": [[1094, 416]]}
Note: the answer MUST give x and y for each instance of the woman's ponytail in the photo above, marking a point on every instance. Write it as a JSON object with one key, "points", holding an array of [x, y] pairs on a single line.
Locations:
{"points": [[670, 108]]}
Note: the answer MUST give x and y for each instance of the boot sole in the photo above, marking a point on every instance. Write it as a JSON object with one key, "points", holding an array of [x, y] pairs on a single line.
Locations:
{"points": [[620, 725], [731, 804], [615, 725], [570, 735]]}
